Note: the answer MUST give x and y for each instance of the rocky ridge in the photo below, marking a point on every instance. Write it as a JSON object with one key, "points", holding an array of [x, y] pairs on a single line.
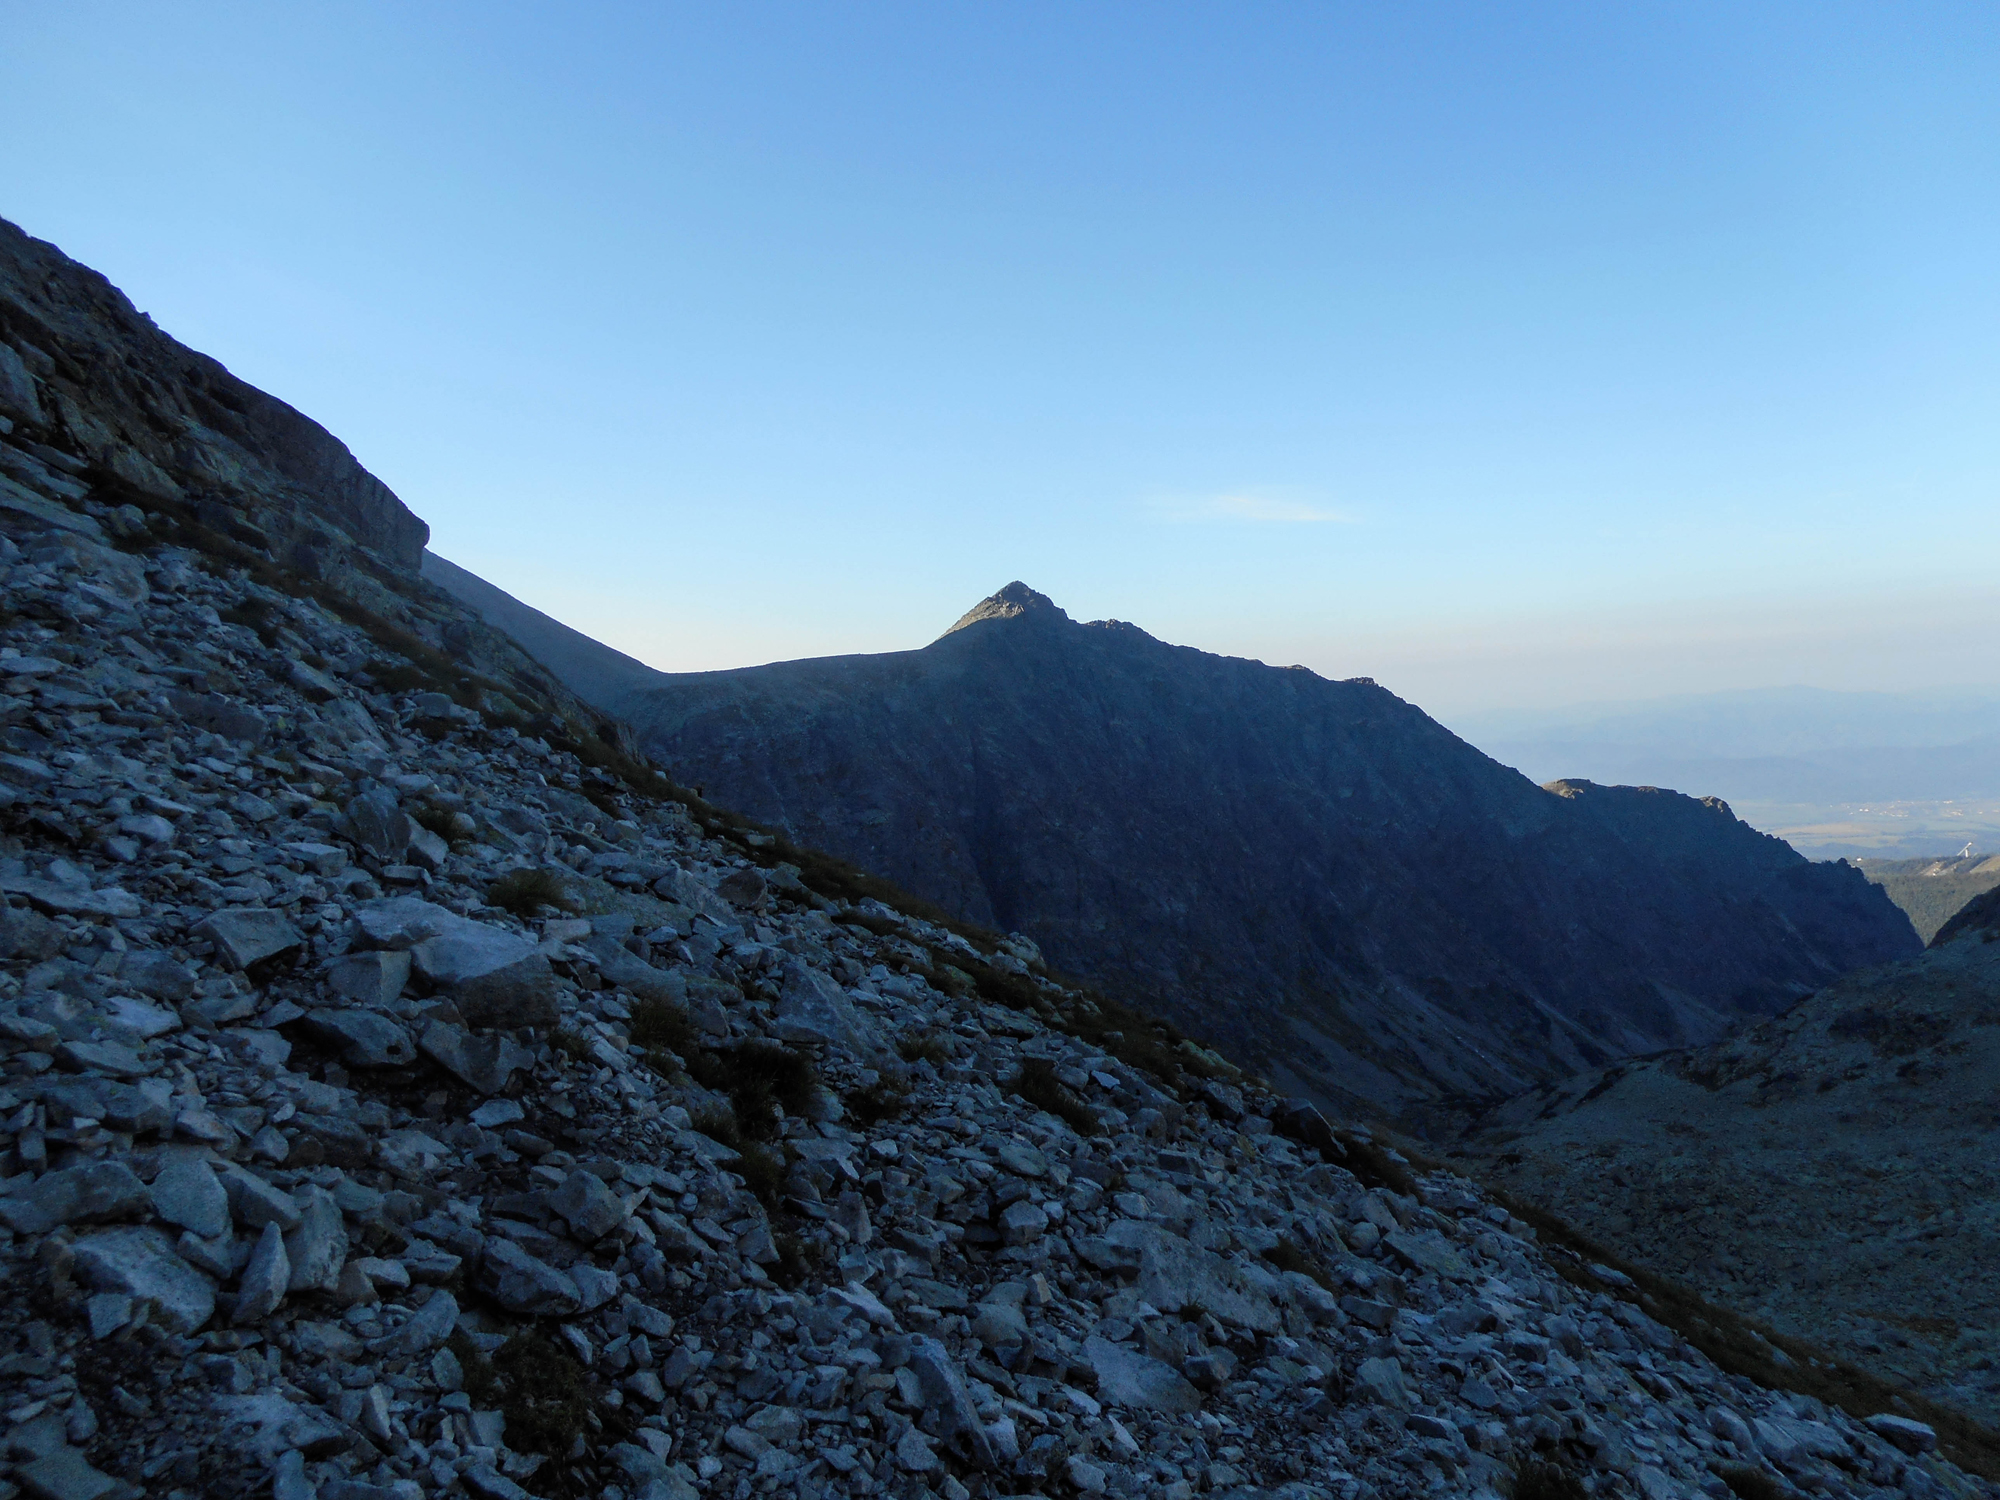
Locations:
{"points": [[403, 1098], [1314, 876], [1830, 1171]]}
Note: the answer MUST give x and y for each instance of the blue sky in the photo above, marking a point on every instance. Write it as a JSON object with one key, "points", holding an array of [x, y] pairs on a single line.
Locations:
{"points": [[1511, 355]]}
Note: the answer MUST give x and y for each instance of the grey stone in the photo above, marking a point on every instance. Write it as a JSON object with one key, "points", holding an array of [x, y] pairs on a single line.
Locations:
{"points": [[486, 1063], [1383, 1382], [591, 1209], [812, 1008], [362, 1038], [265, 1279], [948, 1401], [379, 825], [96, 1192], [519, 994], [594, 1285], [219, 715], [398, 923], [28, 934], [254, 1203], [65, 1474], [1022, 1161], [495, 1113], [251, 938], [1022, 1223], [316, 1247], [625, 969], [1128, 1378], [141, 1263], [432, 1324], [371, 979], [521, 1283], [102, 1057], [108, 1312], [428, 851], [1906, 1433], [156, 974], [186, 1194]]}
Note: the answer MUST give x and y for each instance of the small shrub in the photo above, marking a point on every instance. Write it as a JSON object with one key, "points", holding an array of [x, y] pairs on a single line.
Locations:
{"points": [[399, 677], [479, 1382], [1748, 1483], [797, 1260], [446, 824], [526, 892], [763, 1173], [661, 1024], [570, 1042], [930, 1048], [879, 1101], [1541, 1480], [1039, 1085], [718, 1125], [253, 614], [546, 1397], [758, 1075], [1287, 1256]]}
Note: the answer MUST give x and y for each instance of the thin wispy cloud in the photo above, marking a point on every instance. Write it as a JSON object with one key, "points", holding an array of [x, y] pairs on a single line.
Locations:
{"points": [[1252, 507]]}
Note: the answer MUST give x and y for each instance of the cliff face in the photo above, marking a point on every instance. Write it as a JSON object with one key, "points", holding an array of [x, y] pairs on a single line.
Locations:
{"points": [[1314, 874], [79, 364]]}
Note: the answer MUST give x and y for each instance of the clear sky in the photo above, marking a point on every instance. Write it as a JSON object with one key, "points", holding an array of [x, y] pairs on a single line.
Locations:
{"points": [[1507, 353]]}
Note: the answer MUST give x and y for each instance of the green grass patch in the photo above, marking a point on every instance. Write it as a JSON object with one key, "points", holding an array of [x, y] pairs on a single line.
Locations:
{"points": [[544, 1392], [1039, 1085], [526, 892]]}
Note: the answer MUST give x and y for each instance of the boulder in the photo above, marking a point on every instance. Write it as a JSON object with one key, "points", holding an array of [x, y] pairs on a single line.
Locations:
{"points": [[362, 1038], [486, 1063], [948, 1401], [590, 1208], [186, 1194], [371, 979], [95, 1192], [141, 1263], [812, 1008], [252, 939], [376, 822], [1128, 1378], [522, 1284], [316, 1246]]}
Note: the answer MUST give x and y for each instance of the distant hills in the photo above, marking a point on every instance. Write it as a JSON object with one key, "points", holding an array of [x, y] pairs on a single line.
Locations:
{"points": [[1313, 874], [1889, 775]]}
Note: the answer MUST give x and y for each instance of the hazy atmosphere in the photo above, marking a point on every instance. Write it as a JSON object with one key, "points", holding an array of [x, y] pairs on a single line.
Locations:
{"points": [[1517, 358]]}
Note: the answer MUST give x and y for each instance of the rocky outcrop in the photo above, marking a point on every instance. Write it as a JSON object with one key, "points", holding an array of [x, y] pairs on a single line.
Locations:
{"points": [[1312, 874], [1830, 1171], [86, 370]]}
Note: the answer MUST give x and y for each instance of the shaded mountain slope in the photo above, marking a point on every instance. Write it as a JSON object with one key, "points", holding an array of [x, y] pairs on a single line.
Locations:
{"points": [[1314, 874], [1830, 1171]]}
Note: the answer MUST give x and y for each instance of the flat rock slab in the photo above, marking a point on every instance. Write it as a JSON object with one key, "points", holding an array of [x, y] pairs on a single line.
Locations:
{"points": [[142, 1263], [251, 937], [1128, 1378]]}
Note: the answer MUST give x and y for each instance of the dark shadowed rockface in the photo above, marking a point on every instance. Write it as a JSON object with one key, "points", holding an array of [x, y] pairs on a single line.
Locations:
{"points": [[1313, 874]]}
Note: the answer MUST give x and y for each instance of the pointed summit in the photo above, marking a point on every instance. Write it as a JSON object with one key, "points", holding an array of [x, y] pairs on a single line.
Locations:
{"points": [[1014, 600]]}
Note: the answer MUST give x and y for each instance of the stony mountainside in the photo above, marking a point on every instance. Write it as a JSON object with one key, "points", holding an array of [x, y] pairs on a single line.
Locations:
{"points": [[398, 1099], [1831, 1171], [1312, 874]]}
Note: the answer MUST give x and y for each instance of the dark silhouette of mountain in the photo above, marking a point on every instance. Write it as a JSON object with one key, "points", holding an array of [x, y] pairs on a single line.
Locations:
{"points": [[1313, 874]]}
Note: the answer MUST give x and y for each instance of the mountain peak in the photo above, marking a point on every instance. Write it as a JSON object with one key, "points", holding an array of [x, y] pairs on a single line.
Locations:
{"points": [[1009, 603]]}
